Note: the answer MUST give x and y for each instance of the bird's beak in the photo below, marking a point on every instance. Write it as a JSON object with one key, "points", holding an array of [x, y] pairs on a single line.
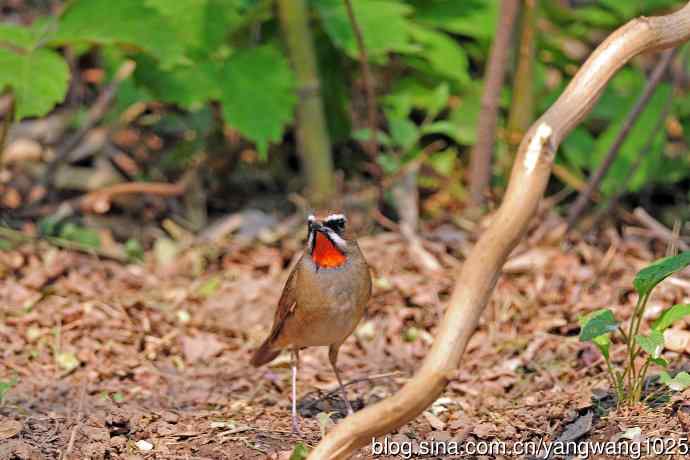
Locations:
{"points": [[315, 226]]}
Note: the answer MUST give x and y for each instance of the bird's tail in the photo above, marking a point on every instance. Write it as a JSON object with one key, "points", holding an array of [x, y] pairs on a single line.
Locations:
{"points": [[264, 354]]}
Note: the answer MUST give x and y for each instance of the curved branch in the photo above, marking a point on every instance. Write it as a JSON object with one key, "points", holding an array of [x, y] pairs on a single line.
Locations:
{"points": [[528, 180]]}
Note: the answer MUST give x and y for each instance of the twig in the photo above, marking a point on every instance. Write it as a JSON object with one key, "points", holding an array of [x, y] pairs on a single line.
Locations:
{"points": [[644, 151], [658, 228], [522, 104], [480, 157], [99, 200], [655, 78], [77, 426], [371, 147], [95, 113]]}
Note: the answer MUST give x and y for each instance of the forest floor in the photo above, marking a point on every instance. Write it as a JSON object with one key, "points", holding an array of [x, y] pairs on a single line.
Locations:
{"points": [[150, 360]]}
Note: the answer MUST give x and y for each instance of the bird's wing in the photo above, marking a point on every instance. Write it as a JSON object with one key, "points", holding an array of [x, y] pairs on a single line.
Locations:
{"points": [[287, 302]]}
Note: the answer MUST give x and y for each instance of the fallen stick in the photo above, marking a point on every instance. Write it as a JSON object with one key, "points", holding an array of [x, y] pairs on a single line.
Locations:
{"points": [[658, 228], [99, 201]]}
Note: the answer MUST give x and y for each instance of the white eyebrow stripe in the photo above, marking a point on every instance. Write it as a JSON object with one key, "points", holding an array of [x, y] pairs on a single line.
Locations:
{"points": [[311, 217], [335, 217]]}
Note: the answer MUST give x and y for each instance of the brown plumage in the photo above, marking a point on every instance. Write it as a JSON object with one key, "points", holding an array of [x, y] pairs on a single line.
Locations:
{"points": [[323, 300]]}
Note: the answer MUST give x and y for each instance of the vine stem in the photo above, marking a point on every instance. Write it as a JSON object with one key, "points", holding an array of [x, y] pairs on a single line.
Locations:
{"points": [[372, 145]]}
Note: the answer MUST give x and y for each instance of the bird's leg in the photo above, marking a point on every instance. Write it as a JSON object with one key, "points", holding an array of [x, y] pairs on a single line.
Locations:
{"points": [[295, 366], [333, 357]]}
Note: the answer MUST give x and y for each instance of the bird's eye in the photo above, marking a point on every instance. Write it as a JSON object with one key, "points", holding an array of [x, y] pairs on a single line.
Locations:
{"points": [[336, 224]]}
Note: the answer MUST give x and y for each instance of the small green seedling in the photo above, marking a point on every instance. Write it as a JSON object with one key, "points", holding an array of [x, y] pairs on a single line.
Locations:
{"points": [[5, 386], [598, 326], [300, 452]]}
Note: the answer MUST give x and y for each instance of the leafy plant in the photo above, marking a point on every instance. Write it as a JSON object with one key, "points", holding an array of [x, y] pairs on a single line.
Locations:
{"points": [[598, 326], [299, 452]]}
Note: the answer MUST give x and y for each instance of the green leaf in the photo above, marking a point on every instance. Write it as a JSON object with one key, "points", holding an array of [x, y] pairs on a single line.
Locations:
{"points": [[299, 452], [209, 287], [670, 316], [464, 117], [443, 54], [653, 344], [134, 251], [444, 161], [596, 324], [595, 16], [438, 100], [14, 35], [364, 135], [650, 276], [389, 163], [5, 386], [84, 236], [603, 343], [201, 25], [38, 79], [659, 362], [473, 18], [678, 383], [258, 94], [129, 22], [624, 10], [578, 147], [383, 24], [404, 133], [189, 86]]}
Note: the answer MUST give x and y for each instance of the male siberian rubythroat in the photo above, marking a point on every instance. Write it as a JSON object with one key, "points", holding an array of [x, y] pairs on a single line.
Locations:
{"points": [[323, 299]]}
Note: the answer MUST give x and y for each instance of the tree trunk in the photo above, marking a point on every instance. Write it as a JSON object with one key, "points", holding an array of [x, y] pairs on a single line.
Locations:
{"points": [[481, 270], [313, 141], [522, 103], [480, 157]]}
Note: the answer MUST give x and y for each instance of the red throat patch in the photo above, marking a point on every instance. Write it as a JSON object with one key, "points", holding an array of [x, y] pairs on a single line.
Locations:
{"points": [[326, 254]]}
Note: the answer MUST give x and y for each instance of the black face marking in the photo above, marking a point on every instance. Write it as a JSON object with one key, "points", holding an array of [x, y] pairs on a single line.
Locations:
{"points": [[336, 224]]}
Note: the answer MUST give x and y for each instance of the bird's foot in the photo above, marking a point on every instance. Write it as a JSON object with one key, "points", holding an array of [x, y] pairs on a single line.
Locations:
{"points": [[295, 427]]}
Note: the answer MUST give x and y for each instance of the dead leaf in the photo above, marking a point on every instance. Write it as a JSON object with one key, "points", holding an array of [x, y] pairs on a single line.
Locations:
{"points": [[677, 340], [435, 422], [578, 428], [200, 347], [9, 428]]}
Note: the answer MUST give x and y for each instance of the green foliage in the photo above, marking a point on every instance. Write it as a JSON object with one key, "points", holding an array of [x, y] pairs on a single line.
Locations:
{"points": [[125, 22], [38, 77], [258, 80], [597, 324], [299, 452], [384, 25], [5, 386], [134, 251], [652, 275], [653, 343], [680, 382], [670, 316], [597, 327], [428, 57]]}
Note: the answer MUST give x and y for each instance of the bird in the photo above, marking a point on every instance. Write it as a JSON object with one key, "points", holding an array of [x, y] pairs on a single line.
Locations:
{"points": [[323, 300]]}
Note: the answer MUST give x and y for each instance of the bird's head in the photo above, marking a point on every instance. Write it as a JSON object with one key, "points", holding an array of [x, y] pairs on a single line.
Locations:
{"points": [[326, 242]]}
